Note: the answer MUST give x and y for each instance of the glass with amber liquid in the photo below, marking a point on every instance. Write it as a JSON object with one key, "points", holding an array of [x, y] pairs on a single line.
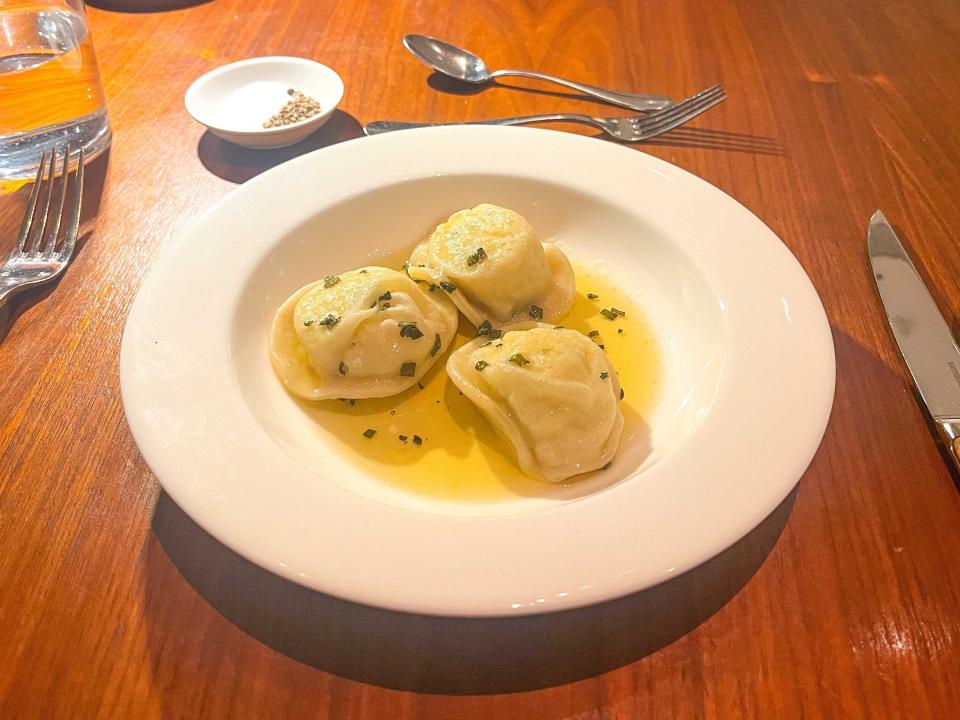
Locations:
{"points": [[50, 93]]}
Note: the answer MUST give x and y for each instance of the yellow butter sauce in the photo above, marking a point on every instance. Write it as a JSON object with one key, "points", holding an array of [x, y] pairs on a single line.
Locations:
{"points": [[461, 457]]}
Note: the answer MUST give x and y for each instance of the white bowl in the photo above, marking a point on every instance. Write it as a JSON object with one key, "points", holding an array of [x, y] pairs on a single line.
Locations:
{"points": [[234, 100], [747, 387]]}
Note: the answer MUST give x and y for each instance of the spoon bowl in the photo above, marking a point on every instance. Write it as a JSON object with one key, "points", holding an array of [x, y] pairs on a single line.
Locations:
{"points": [[447, 59]]}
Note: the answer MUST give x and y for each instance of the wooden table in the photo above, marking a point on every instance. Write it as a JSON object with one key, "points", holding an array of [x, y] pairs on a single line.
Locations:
{"points": [[845, 603]]}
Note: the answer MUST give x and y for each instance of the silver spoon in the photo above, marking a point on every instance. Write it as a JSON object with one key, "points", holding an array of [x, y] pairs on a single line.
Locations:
{"points": [[464, 65]]}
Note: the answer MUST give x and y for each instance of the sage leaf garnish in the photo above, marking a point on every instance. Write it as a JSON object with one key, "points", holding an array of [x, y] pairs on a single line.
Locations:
{"points": [[410, 330], [478, 256]]}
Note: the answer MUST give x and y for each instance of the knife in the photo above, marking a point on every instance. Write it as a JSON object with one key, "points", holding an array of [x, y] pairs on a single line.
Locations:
{"points": [[925, 341]]}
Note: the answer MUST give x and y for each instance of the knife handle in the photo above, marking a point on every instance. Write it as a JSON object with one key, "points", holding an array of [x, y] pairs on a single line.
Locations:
{"points": [[949, 431]]}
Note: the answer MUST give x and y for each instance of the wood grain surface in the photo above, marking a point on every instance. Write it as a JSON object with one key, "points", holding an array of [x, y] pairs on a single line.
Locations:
{"points": [[845, 603]]}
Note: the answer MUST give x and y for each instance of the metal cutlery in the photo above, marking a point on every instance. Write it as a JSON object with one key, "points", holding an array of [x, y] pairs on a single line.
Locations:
{"points": [[625, 129], [925, 341], [463, 65], [39, 256]]}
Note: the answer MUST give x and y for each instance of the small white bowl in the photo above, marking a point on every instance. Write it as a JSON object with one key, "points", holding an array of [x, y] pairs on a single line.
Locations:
{"points": [[234, 100]]}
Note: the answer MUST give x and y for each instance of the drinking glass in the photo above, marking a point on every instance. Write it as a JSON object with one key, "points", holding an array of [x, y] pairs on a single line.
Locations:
{"points": [[50, 92]]}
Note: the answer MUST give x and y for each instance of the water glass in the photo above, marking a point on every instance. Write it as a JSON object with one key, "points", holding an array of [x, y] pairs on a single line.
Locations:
{"points": [[50, 92]]}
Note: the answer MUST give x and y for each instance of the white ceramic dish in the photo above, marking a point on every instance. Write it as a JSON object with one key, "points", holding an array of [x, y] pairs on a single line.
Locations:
{"points": [[234, 100], [748, 354]]}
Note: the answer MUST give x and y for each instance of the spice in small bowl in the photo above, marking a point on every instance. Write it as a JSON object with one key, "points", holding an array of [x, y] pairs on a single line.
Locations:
{"points": [[300, 107], [265, 102]]}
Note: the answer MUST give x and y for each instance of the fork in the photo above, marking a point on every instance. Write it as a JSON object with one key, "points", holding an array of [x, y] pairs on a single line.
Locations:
{"points": [[624, 129], [36, 259]]}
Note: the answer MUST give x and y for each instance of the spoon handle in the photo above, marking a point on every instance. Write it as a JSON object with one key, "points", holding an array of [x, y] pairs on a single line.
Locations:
{"points": [[634, 101], [383, 126]]}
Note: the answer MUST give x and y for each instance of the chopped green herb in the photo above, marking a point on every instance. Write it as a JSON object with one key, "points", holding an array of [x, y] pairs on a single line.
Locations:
{"points": [[432, 287], [308, 323], [481, 364], [385, 296], [369, 433], [348, 401], [484, 328], [621, 393], [342, 368], [330, 280], [417, 440], [592, 296], [619, 331], [410, 330], [436, 346], [363, 271], [478, 256], [608, 315], [499, 345], [408, 369], [614, 310], [601, 346], [536, 312], [604, 375], [384, 306], [518, 359], [488, 342], [420, 385], [594, 333], [403, 438], [448, 286], [558, 327], [330, 320]]}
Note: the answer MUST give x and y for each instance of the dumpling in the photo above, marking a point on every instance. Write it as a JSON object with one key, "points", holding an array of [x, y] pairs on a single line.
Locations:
{"points": [[550, 392], [370, 332], [490, 262]]}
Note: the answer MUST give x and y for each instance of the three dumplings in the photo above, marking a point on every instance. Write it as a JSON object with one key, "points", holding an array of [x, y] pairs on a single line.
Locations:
{"points": [[373, 332]]}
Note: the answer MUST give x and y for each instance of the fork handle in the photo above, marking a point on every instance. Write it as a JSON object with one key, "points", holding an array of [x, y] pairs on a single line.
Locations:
{"points": [[383, 126], [634, 101], [7, 289]]}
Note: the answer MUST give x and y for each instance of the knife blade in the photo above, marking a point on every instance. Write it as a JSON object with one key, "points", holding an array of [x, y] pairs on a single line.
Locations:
{"points": [[926, 344]]}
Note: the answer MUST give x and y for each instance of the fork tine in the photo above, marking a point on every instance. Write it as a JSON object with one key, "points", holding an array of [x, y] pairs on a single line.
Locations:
{"points": [[685, 111], [680, 108], [48, 188], [50, 242], [31, 208], [73, 226], [700, 108]]}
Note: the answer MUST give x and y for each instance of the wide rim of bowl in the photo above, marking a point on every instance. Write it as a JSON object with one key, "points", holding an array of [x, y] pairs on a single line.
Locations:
{"points": [[189, 97], [627, 538]]}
